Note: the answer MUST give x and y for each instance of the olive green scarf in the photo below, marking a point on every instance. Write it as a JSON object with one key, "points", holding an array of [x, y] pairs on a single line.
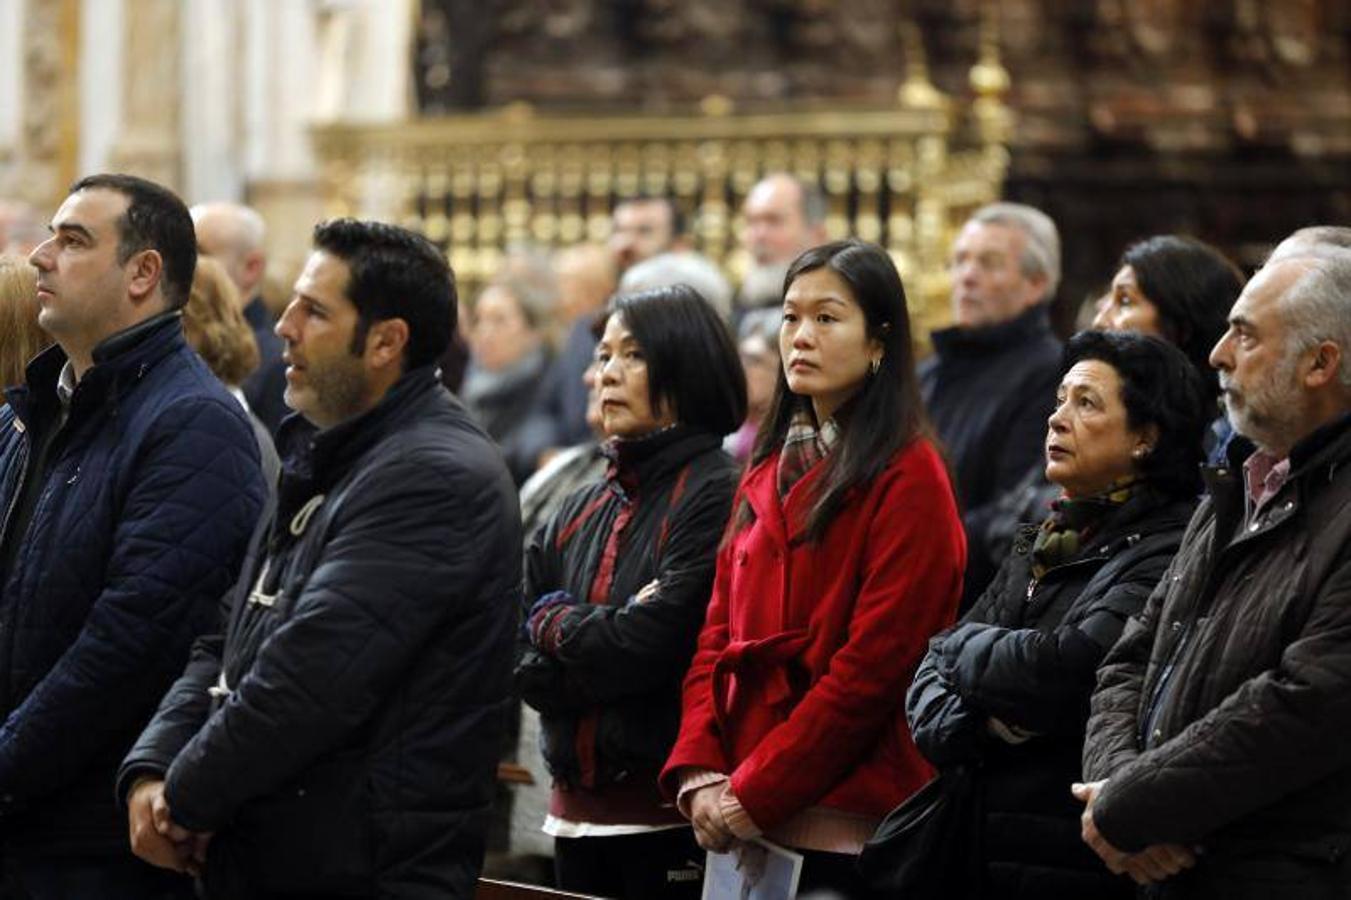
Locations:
{"points": [[1073, 521]]}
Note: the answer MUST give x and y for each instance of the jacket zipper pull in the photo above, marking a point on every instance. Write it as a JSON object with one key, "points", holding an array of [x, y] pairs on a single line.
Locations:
{"points": [[1031, 586]]}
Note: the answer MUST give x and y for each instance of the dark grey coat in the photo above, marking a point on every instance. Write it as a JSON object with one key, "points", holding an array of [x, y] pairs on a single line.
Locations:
{"points": [[1222, 719]]}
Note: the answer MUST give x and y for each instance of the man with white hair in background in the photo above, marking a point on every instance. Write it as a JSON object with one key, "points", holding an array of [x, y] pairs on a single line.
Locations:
{"points": [[784, 215], [1217, 752], [234, 235], [991, 381]]}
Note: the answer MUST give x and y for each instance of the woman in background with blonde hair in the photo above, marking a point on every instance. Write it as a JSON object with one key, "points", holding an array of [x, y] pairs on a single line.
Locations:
{"points": [[215, 327], [21, 338]]}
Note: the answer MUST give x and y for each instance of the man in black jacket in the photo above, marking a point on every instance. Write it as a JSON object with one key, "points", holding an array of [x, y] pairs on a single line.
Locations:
{"points": [[1217, 751], [340, 739], [991, 381], [130, 483]]}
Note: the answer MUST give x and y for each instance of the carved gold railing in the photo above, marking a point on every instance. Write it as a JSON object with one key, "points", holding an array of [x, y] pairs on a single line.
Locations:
{"points": [[904, 176]]}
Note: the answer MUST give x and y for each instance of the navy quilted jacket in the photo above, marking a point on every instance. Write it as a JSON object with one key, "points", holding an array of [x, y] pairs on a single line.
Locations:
{"points": [[151, 490]]}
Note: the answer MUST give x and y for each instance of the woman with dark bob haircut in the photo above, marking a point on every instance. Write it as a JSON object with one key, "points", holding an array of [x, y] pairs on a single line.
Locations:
{"points": [[616, 584], [844, 555], [1006, 691]]}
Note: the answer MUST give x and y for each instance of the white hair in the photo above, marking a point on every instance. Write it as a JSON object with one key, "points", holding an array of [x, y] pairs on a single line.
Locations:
{"points": [[687, 268], [247, 230], [1317, 307], [1041, 254]]}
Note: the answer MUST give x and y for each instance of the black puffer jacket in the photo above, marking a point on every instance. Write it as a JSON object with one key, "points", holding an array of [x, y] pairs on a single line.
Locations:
{"points": [[619, 664], [1221, 717], [367, 662], [1026, 654]]}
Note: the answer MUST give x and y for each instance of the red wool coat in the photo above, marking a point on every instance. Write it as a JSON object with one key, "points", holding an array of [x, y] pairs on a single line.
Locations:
{"points": [[798, 683]]}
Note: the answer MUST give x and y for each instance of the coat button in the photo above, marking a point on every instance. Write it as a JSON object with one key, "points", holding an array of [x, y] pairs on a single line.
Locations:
{"points": [[1254, 526], [1177, 626]]}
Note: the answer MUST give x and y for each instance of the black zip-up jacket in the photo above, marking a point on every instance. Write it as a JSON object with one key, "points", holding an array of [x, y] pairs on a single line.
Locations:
{"points": [[350, 747], [988, 392], [1222, 718], [1026, 654], [660, 514]]}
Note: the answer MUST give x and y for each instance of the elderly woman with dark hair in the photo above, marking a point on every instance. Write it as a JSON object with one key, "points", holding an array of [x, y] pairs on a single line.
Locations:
{"points": [[1007, 688], [616, 585], [1172, 287]]}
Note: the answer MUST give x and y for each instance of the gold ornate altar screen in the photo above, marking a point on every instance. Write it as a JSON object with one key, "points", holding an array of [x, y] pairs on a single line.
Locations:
{"points": [[904, 177]]}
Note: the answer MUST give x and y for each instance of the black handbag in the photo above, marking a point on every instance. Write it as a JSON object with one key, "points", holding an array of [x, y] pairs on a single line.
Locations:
{"points": [[929, 847]]}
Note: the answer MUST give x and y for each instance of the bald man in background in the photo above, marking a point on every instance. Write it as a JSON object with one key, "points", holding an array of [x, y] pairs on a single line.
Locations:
{"points": [[234, 234]]}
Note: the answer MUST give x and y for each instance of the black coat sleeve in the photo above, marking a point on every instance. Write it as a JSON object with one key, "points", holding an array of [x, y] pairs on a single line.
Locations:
{"points": [[946, 730], [538, 678], [611, 652], [1041, 679], [181, 714], [945, 727]]}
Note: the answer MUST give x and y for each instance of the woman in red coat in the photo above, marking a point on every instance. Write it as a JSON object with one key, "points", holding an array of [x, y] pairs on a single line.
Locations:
{"points": [[844, 555]]}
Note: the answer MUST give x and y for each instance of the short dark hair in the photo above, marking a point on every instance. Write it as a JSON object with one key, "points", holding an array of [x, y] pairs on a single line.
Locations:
{"points": [[156, 219], [396, 274], [1160, 387], [1193, 286], [692, 361], [678, 221]]}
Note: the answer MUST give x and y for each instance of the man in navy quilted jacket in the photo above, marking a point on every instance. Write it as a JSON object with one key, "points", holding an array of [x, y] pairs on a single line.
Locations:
{"points": [[129, 486]]}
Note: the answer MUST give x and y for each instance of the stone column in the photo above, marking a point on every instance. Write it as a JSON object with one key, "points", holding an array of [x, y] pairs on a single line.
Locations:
{"points": [[38, 90], [212, 125], [150, 144]]}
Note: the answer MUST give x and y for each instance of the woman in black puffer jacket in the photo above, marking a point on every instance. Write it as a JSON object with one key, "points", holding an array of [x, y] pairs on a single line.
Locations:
{"points": [[1006, 690], [616, 587]]}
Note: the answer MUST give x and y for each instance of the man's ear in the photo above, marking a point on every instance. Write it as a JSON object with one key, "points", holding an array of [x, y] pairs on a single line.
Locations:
{"points": [[1038, 282], [144, 271], [255, 263], [386, 342], [1325, 364]]}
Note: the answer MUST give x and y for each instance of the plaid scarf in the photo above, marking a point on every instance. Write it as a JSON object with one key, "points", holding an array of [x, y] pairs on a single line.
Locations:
{"points": [[1072, 523], [804, 445]]}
